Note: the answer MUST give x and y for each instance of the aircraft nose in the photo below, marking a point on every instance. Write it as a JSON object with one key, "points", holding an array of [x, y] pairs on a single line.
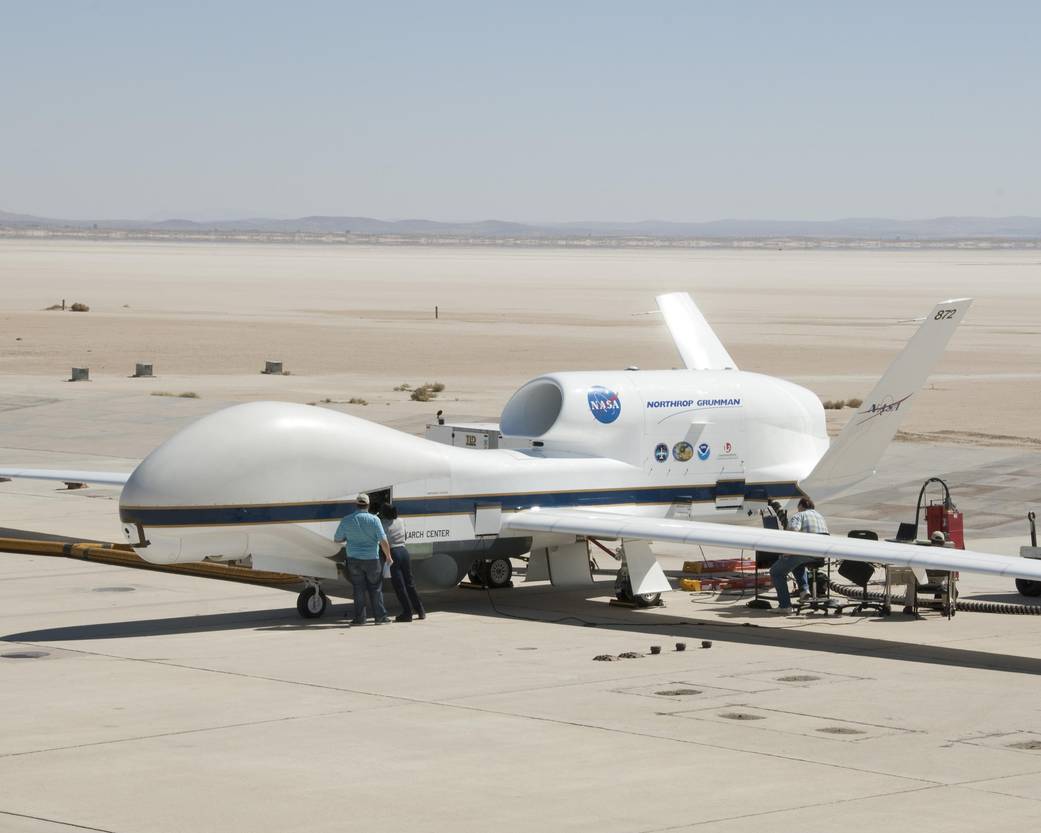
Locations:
{"points": [[264, 463]]}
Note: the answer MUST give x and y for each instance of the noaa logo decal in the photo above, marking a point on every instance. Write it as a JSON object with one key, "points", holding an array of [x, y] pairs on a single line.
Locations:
{"points": [[661, 452], [704, 451], [604, 404]]}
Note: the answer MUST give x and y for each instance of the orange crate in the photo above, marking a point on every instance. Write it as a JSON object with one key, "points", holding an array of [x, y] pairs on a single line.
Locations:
{"points": [[720, 565]]}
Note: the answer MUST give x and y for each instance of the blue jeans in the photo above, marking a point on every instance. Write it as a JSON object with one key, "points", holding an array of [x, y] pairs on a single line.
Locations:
{"points": [[366, 576], [404, 586], [796, 565]]}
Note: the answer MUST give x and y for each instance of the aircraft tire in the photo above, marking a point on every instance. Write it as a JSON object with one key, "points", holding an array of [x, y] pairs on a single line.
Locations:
{"points": [[496, 573], [1026, 587], [647, 599], [312, 603], [624, 593]]}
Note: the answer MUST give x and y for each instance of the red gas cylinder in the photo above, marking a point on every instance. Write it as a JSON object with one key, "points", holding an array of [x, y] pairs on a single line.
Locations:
{"points": [[949, 521]]}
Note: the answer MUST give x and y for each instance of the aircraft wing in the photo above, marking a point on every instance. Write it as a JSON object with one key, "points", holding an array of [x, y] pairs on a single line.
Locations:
{"points": [[699, 346], [615, 525], [102, 478]]}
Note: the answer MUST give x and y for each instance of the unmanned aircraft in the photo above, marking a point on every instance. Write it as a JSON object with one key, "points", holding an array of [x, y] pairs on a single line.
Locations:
{"points": [[690, 455]]}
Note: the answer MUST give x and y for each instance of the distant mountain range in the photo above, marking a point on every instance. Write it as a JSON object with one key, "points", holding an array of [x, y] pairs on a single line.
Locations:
{"points": [[855, 228]]}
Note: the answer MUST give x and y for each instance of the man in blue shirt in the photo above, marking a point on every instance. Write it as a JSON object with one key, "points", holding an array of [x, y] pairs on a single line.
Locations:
{"points": [[364, 538]]}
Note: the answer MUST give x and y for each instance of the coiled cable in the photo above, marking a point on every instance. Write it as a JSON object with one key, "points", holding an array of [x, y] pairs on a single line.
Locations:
{"points": [[851, 591]]}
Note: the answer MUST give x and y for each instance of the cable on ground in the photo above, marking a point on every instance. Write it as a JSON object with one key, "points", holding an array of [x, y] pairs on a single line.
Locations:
{"points": [[966, 605]]}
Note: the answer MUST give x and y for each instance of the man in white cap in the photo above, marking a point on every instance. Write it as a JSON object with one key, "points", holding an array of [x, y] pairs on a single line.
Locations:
{"points": [[364, 538]]}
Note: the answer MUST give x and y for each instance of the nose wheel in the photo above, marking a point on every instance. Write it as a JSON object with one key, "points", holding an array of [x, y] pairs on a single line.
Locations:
{"points": [[312, 602]]}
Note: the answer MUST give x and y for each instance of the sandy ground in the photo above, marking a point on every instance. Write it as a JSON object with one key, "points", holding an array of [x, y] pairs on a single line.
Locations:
{"points": [[161, 704], [356, 321]]}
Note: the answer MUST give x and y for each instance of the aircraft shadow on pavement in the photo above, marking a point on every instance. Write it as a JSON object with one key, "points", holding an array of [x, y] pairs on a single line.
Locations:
{"points": [[163, 627], [577, 608], [754, 629]]}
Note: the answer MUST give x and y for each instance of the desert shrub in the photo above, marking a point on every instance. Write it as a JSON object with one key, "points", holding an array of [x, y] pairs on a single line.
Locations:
{"points": [[436, 387], [833, 404], [854, 403], [356, 400], [78, 307], [422, 394], [403, 387]]}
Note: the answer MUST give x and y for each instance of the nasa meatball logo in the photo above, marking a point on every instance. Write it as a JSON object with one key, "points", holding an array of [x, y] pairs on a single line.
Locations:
{"points": [[661, 452], [704, 451], [604, 404]]}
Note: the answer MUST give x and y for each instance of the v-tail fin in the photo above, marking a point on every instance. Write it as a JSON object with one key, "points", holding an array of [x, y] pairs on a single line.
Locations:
{"points": [[856, 451], [698, 344]]}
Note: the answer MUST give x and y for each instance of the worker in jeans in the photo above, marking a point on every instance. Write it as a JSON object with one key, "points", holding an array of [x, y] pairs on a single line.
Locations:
{"points": [[807, 519], [401, 572], [364, 538]]}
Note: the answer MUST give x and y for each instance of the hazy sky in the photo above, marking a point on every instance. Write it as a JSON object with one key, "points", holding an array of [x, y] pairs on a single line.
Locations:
{"points": [[520, 111]]}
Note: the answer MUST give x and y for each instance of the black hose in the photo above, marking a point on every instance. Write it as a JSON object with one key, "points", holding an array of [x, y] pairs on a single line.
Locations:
{"points": [[966, 605], [947, 502]]}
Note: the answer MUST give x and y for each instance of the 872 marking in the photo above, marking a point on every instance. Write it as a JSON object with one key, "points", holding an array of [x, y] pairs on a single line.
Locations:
{"points": [[945, 314]]}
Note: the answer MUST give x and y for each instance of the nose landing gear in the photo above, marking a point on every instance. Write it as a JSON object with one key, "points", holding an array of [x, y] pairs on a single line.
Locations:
{"points": [[312, 602]]}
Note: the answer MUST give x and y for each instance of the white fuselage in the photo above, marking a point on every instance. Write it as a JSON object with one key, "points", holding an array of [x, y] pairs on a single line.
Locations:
{"points": [[269, 481]]}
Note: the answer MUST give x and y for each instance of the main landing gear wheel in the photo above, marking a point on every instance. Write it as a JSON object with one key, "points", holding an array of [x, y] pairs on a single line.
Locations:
{"points": [[311, 603], [1026, 587], [624, 593], [496, 573]]}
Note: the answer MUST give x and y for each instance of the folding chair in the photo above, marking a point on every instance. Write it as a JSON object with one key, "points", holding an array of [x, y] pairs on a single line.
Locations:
{"points": [[860, 573]]}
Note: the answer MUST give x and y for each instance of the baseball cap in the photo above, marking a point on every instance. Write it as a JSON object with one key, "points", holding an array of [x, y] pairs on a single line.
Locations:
{"points": [[362, 499], [938, 537]]}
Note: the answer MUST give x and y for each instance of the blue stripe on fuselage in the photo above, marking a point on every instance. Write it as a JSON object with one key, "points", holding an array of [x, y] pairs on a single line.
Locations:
{"points": [[447, 505]]}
